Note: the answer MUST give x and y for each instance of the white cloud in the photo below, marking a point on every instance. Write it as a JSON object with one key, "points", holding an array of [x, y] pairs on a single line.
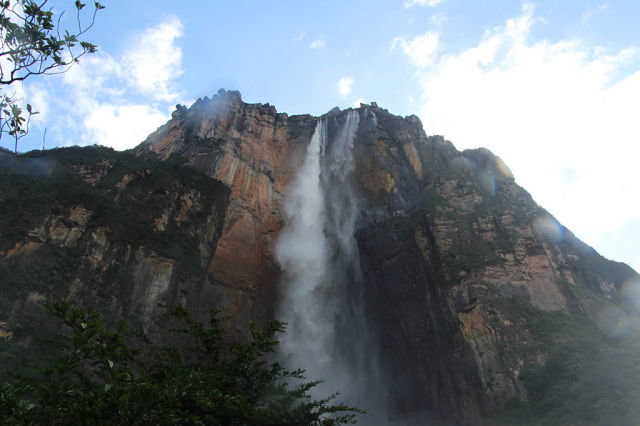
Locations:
{"points": [[561, 114], [155, 60], [118, 101], [437, 19], [122, 126], [590, 12], [421, 49], [317, 44], [95, 74], [430, 3], [345, 85], [357, 103], [38, 99]]}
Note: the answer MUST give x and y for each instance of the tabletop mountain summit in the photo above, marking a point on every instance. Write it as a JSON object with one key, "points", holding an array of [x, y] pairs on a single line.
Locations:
{"points": [[420, 281]]}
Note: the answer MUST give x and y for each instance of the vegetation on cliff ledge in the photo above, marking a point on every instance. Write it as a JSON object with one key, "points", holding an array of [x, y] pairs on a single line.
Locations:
{"points": [[120, 193]]}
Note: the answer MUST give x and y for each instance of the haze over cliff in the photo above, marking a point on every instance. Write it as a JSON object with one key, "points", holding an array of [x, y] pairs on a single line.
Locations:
{"points": [[421, 281]]}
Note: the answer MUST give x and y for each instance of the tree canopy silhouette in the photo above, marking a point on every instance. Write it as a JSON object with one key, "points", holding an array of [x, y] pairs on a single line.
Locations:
{"points": [[106, 376]]}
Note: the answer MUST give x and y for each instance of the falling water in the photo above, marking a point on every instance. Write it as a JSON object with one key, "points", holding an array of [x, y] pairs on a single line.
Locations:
{"points": [[317, 250]]}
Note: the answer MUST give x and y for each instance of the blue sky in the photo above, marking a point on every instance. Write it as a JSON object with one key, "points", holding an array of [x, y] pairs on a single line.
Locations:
{"points": [[552, 87]]}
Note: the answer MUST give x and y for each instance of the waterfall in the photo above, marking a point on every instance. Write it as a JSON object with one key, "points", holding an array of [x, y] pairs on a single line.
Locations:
{"points": [[317, 251], [302, 251]]}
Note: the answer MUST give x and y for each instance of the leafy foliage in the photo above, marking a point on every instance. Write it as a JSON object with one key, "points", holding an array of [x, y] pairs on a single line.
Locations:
{"points": [[32, 43], [12, 121], [99, 377]]}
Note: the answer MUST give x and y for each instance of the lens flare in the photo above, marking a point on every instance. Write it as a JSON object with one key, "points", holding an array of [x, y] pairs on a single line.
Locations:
{"points": [[461, 163], [549, 228], [630, 291], [502, 167], [487, 183], [614, 322]]}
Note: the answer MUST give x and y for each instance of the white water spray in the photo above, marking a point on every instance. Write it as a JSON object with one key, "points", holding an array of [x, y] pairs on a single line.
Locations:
{"points": [[302, 253], [321, 301]]}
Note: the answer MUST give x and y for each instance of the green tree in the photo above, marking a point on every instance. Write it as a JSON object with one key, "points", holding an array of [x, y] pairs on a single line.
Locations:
{"points": [[101, 377], [32, 43]]}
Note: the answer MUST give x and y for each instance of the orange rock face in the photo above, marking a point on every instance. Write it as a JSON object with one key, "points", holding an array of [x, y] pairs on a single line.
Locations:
{"points": [[255, 151]]}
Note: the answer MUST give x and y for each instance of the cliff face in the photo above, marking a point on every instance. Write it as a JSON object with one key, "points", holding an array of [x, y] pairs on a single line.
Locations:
{"points": [[453, 252], [103, 229], [255, 151], [459, 262], [459, 269], [455, 255]]}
